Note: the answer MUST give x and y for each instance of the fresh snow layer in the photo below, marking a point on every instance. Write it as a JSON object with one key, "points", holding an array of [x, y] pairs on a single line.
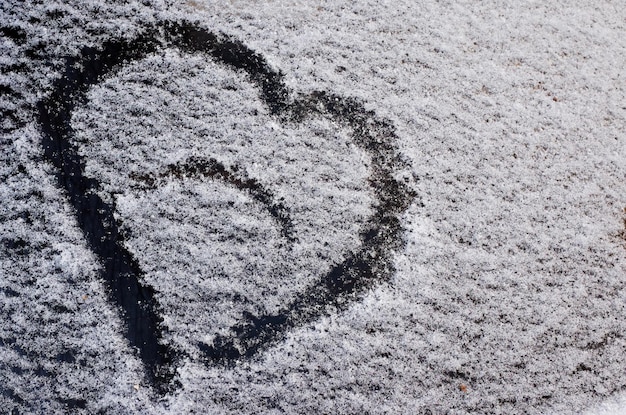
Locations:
{"points": [[508, 294]]}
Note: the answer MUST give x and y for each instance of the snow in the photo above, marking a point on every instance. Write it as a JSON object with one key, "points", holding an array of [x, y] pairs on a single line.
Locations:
{"points": [[508, 293]]}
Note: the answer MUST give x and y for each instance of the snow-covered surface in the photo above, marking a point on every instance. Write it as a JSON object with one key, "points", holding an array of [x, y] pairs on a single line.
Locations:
{"points": [[614, 406], [508, 296]]}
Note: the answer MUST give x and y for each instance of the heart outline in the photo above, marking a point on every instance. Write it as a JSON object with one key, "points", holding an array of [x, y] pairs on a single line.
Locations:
{"points": [[345, 283]]}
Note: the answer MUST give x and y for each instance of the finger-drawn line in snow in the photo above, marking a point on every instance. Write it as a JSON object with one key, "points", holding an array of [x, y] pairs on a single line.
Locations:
{"points": [[342, 285], [198, 167]]}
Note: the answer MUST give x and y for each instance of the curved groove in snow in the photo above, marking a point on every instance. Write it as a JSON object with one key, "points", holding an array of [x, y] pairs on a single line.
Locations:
{"points": [[342, 285]]}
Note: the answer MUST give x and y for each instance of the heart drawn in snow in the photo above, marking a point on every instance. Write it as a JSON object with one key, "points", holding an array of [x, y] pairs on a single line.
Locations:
{"points": [[225, 209]]}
